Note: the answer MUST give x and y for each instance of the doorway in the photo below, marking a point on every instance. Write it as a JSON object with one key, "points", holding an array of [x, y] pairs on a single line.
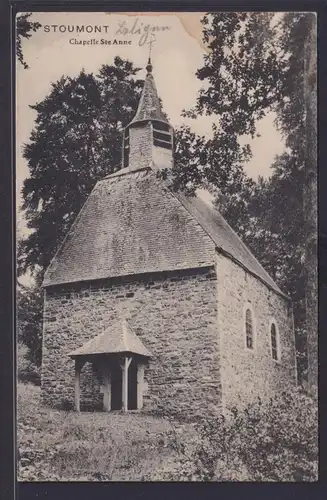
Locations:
{"points": [[116, 387]]}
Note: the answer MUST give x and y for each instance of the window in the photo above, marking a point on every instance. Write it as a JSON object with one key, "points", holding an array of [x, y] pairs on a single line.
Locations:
{"points": [[249, 329], [274, 342]]}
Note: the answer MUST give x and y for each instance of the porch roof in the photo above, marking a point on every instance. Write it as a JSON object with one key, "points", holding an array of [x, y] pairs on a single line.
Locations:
{"points": [[118, 338]]}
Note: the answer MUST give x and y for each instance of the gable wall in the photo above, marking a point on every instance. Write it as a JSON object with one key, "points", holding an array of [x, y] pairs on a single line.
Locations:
{"points": [[246, 374], [174, 315]]}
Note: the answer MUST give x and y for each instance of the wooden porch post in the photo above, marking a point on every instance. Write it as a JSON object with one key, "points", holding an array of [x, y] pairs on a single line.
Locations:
{"points": [[106, 388], [140, 384], [78, 367], [124, 367]]}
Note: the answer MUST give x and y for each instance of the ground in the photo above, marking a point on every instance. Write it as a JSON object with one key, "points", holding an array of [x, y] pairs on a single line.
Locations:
{"points": [[66, 446], [276, 441]]}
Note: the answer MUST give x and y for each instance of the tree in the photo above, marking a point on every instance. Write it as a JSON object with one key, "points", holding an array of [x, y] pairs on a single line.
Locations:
{"points": [[310, 202], [24, 29], [76, 142], [255, 65]]}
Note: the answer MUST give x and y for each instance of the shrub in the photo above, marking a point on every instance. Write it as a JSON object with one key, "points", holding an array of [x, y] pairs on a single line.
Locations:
{"points": [[274, 441], [27, 371], [29, 321]]}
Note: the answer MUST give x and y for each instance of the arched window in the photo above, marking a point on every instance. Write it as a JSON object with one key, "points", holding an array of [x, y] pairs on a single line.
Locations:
{"points": [[249, 329], [274, 342]]}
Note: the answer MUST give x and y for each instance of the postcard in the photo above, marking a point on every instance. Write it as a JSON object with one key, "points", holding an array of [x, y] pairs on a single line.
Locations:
{"points": [[166, 185]]}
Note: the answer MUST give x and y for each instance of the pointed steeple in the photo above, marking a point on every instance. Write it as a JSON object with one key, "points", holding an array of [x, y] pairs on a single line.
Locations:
{"points": [[148, 138], [149, 107]]}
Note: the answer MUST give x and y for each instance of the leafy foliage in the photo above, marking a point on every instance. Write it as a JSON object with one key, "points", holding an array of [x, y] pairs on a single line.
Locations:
{"points": [[27, 371], [29, 326], [24, 29], [255, 66], [272, 441]]}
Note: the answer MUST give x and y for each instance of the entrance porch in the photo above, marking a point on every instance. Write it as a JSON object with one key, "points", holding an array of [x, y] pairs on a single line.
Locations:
{"points": [[120, 358]]}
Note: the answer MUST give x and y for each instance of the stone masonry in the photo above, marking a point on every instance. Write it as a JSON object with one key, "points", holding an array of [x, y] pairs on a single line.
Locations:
{"points": [[174, 315], [142, 152], [193, 324], [140, 140], [248, 374]]}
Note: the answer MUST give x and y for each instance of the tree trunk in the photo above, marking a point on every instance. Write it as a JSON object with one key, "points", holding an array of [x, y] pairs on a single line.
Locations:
{"points": [[310, 202]]}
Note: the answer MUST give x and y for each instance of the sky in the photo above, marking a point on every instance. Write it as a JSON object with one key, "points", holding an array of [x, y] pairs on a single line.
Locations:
{"points": [[177, 53]]}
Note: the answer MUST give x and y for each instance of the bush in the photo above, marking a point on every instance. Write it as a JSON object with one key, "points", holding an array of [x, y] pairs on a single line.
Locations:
{"points": [[274, 441], [26, 370], [29, 321]]}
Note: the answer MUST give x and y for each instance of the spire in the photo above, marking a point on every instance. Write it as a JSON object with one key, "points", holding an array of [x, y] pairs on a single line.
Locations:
{"points": [[149, 106], [148, 138]]}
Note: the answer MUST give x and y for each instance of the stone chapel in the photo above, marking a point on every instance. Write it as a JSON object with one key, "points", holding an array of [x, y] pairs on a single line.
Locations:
{"points": [[152, 302]]}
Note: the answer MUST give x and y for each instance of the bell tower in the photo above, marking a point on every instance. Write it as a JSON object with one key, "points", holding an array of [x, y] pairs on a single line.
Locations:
{"points": [[148, 138]]}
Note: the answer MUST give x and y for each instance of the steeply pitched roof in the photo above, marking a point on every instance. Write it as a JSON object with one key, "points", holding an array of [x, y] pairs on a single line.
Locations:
{"points": [[118, 338], [132, 224], [149, 106], [224, 236]]}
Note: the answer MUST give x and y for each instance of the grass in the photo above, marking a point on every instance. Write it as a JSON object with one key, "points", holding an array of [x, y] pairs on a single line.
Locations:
{"points": [[66, 446], [272, 442]]}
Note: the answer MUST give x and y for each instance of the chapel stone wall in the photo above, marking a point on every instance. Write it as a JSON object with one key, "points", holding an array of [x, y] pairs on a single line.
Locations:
{"points": [[247, 374], [174, 315]]}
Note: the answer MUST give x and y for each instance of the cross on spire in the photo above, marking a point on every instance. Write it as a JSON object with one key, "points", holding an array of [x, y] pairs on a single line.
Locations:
{"points": [[150, 43]]}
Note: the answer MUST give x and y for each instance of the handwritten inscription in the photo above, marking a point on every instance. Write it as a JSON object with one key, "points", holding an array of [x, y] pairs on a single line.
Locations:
{"points": [[137, 27]]}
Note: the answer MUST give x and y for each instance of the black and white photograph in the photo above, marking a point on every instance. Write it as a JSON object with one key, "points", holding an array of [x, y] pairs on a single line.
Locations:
{"points": [[166, 246]]}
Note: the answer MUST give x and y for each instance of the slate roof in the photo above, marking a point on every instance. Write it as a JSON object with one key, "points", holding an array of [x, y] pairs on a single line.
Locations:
{"points": [[224, 236], [118, 338], [132, 224], [149, 107]]}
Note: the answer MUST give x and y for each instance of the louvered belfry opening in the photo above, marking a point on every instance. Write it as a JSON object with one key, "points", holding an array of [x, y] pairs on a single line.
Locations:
{"points": [[162, 136]]}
